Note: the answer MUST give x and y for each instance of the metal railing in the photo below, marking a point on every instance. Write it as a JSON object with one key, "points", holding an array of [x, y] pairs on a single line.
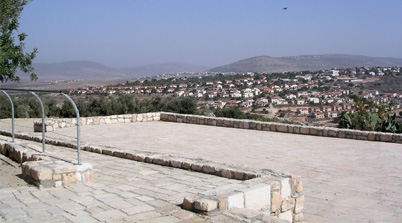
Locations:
{"points": [[32, 91]]}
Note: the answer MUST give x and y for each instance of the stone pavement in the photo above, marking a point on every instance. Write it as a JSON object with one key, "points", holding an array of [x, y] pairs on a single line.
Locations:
{"points": [[122, 191], [344, 180]]}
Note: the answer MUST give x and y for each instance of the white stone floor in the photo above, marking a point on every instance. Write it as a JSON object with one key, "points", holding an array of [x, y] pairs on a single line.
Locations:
{"points": [[344, 180], [123, 191]]}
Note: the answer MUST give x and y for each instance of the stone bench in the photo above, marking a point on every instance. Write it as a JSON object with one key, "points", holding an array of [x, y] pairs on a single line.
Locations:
{"points": [[55, 173], [44, 171]]}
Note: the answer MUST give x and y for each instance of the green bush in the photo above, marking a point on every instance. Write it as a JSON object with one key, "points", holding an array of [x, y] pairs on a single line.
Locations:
{"points": [[370, 117]]}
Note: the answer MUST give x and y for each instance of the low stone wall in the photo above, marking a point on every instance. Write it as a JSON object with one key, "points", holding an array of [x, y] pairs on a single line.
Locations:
{"points": [[53, 124], [279, 127], [44, 171], [279, 195], [55, 173]]}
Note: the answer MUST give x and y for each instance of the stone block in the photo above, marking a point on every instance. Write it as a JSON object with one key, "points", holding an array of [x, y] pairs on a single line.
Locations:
{"points": [[196, 167], [205, 205], [188, 202], [41, 173], [58, 183], [371, 136], [276, 201], [275, 185], [118, 154], [299, 204], [69, 178], [65, 168], [139, 118], [238, 175], [281, 128], [285, 188], [313, 131], [287, 216], [208, 169], [56, 177], [257, 197], [288, 204], [305, 130], [341, 133], [161, 161], [107, 152], [298, 217], [227, 173], [222, 206], [96, 121], [129, 156], [235, 200], [176, 163], [386, 137], [139, 157], [246, 125], [108, 121], [290, 128]]}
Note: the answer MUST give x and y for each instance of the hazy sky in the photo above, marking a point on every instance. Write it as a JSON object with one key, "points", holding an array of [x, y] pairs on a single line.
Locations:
{"points": [[127, 33]]}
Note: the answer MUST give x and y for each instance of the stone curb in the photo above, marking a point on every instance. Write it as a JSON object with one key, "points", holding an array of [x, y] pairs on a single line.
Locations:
{"points": [[53, 124], [279, 127]]}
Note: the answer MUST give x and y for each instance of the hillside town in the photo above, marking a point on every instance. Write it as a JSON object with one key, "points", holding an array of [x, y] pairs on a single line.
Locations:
{"points": [[306, 97]]}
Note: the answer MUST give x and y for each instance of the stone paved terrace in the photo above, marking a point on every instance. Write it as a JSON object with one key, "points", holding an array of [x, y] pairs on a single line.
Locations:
{"points": [[123, 191], [344, 180]]}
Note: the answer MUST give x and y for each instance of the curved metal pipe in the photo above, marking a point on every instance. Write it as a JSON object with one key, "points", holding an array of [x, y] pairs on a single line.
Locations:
{"points": [[78, 128], [12, 113], [43, 122]]}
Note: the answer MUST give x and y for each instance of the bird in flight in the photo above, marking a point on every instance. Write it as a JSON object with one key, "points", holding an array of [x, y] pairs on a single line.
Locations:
{"points": [[285, 8]]}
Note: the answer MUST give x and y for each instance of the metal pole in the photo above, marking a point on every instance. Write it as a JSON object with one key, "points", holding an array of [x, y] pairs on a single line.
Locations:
{"points": [[12, 114], [78, 127], [43, 122]]}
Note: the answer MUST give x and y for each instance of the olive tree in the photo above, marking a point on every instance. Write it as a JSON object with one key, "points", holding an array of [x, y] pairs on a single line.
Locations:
{"points": [[12, 46]]}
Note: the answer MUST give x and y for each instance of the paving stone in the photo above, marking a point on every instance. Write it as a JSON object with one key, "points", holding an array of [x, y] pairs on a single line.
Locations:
{"points": [[56, 211], [138, 217], [138, 209], [120, 204], [183, 214], [165, 219], [106, 215]]}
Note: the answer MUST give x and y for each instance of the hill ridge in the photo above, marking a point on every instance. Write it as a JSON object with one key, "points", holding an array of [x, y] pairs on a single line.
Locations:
{"points": [[268, 64]]}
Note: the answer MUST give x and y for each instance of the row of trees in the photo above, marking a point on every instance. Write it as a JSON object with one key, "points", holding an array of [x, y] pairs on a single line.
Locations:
{"points": [[29, 107]]}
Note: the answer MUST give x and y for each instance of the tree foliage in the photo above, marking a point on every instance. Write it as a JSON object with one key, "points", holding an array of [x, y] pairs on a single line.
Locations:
{"points": [[12, 46], [29, 107], [370, 117]]}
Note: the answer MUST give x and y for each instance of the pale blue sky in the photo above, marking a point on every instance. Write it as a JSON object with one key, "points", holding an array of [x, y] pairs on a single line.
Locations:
{"points": [[128, 33]]}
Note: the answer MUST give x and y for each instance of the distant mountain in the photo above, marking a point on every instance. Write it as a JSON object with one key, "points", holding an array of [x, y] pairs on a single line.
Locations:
{"points": [[306, 62], [74, 70]]}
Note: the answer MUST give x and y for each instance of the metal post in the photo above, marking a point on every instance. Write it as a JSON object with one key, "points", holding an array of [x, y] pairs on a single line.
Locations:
{"points": [[12, 114], [78, 127], [43, 122]]}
